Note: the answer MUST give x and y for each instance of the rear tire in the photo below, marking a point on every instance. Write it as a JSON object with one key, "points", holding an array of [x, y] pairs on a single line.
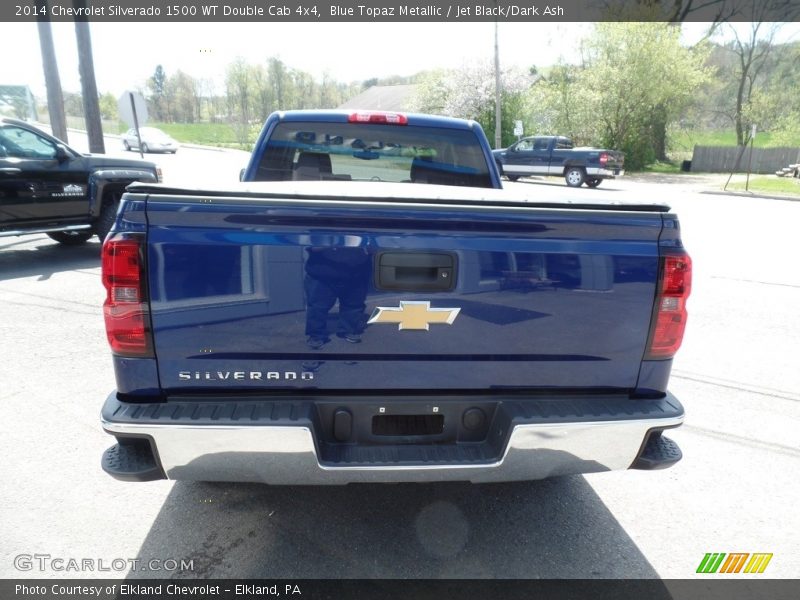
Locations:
{"points": [[575, 176], [593, 183], [108, 215], [512, 177], [70, 238]]}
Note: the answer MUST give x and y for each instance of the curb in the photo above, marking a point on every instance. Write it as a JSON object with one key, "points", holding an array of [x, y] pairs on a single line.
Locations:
{"points": [[751, 195]]}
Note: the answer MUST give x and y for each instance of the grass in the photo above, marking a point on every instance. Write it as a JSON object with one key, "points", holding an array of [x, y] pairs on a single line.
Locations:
{"points": [[663, 167], [685, 140], [200, 133], [209, 134], [786, 186]]}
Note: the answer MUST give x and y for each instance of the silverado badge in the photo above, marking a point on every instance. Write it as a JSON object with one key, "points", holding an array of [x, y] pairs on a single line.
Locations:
{"points": [[414, 315], [70, 189]]}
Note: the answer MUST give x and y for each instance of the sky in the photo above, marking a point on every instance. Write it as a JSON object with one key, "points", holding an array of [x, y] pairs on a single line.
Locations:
{"points": [[126, 56]]}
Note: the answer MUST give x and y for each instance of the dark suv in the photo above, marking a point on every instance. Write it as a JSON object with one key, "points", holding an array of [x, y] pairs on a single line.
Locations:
{"points": [[48, 187]]}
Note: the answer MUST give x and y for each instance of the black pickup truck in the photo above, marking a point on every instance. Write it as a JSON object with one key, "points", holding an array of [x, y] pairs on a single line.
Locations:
{"points": [[557, 156], [48, 187]]}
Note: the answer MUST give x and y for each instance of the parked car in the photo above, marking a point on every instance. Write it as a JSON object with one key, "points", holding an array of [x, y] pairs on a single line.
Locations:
{"points": [[153, 140]]}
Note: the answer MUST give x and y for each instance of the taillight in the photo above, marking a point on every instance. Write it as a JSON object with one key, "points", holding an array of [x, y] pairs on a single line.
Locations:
{"points": [[386, 118], [669, 319], [125, 309], [603, 158]]}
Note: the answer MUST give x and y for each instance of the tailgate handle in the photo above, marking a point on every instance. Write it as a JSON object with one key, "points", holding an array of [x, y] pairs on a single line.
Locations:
{"points": [[415, 271]]}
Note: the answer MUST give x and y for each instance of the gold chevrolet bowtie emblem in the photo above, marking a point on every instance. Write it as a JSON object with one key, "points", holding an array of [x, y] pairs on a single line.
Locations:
{"points": [[414, 315]]}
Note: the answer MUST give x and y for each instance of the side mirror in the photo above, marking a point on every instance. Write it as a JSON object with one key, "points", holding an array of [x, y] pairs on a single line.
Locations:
{"points": [[62, 153]]}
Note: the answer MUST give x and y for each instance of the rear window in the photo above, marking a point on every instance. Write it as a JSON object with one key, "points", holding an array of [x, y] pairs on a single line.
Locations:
{"points": [[373, 152]]}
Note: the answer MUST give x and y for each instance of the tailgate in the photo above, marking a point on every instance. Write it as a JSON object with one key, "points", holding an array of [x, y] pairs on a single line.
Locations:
{"points": [[616, 159], [424, 297]]}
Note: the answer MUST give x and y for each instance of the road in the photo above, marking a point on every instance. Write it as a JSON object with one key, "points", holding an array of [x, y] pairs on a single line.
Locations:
{"points": [[736, 489], [190, 166]]}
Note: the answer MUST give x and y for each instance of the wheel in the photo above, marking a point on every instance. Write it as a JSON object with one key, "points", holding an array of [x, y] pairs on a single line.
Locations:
{"points": [[108, 214], [575, 176], [145, 149], [512, 177], [593, 182], [70, 238], [126, 145]]}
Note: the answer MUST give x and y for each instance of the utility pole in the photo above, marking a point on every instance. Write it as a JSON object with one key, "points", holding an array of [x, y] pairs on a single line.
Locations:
{"points": [[498, 139], [55, 99], [91, 104]]}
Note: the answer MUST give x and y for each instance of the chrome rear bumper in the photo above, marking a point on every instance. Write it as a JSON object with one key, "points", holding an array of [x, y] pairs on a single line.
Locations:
{"points": [[277, 451], [603, 172]]}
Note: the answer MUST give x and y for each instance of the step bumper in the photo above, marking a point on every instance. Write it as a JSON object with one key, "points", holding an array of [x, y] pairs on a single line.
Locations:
{"points": [[280, 443]]}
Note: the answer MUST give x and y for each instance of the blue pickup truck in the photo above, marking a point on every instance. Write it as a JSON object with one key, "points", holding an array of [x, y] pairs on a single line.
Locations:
{"points": [[556, 155], [370, 306]]}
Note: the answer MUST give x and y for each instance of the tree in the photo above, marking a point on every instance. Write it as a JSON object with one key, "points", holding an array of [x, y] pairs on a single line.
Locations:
{"points": [[263, 94], [157, 85], [73, 104], [780, 113], [637, 79], [786, 130], [431, 95], [751, 52], [108, 107], [252, 92], [183, 91], [713, 12], [306, 89], [469, 93], [282, 85], [561, 105], [238, 91], [327, 92]]}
